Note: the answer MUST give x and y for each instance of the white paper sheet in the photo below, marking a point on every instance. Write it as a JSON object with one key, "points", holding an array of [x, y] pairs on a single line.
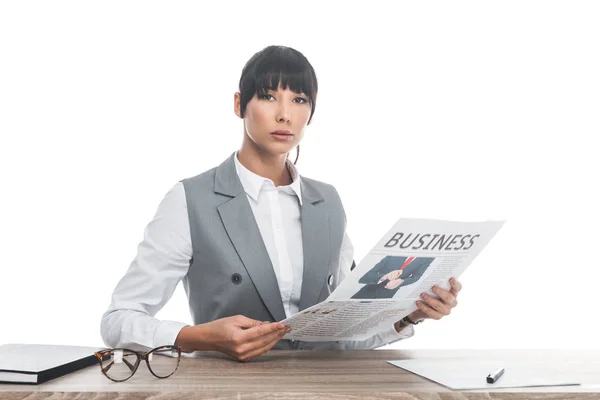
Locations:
{"points": [[469, 374]]}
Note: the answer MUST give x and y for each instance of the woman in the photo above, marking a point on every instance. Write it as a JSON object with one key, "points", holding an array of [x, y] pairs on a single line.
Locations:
{"points": [[252, 240]]}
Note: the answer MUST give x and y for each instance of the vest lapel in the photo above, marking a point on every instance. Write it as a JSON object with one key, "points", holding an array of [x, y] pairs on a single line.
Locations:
{"points": [[315, 242], [242, 229]]}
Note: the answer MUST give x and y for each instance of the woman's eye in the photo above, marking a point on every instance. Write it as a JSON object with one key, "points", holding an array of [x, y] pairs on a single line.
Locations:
{"points": [[301, 100], [265, 96]]}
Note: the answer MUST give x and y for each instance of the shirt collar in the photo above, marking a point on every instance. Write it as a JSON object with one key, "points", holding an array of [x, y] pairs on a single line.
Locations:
{"points": [[253, 183]]}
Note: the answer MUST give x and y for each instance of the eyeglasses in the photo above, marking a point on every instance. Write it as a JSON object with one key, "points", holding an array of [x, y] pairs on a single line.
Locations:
{"points": [[120, 364]]}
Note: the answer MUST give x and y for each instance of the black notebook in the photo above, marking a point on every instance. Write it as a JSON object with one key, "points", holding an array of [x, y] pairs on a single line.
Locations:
{"points": [[38, 363]]}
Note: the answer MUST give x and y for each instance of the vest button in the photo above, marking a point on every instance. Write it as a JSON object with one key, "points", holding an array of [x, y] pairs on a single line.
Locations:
{"points": [[236, 279], [330, 280]]}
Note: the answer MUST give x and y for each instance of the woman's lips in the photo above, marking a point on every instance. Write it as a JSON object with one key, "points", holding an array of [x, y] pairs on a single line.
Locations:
{"points": [[283, 135]]}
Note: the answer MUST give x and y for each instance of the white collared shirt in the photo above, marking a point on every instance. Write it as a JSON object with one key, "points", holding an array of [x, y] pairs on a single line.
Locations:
{"points": [[277, 214], [164, 255]]}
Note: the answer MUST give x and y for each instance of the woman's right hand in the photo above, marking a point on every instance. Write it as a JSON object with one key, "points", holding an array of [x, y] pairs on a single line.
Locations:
{"points": [[240, 337]]}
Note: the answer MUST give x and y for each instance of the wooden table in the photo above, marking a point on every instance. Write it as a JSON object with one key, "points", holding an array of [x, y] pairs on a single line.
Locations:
{"points": [[356, 374]]}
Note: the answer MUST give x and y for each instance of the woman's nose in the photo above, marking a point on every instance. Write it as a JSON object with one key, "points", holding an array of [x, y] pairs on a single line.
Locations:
{"points": [[283, 114]]}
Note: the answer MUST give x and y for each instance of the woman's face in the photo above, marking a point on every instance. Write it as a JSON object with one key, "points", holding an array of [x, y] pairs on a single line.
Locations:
{"points": [[275, 121]]}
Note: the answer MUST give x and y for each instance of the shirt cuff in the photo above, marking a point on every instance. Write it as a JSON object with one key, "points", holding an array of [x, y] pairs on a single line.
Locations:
{"points": [[166, 332]]}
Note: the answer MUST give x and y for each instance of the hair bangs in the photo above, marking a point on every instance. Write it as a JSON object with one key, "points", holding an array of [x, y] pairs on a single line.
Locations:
{"points": [[293, 77]]}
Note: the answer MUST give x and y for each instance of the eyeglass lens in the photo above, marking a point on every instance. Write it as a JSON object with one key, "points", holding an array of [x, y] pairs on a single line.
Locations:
{"points": [[119, 364]]}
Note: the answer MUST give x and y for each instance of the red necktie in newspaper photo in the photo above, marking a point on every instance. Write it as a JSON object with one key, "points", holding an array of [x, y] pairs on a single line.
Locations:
{"points": [[408, 261]]}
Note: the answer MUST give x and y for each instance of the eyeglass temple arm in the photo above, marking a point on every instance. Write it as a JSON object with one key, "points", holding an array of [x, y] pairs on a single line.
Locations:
{"points": [[131, 367]]}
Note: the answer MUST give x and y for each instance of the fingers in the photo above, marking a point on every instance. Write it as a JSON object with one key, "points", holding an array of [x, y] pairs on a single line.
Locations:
{"points": [[446, 296], [436, 309], [260, 350], [253, 346], [262, 330], [430, 312], [455, 286], [435, 305], [263, 340]]}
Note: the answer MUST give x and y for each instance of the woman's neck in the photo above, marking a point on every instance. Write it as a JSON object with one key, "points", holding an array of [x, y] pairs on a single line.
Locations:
{"points": [[269, 166]]}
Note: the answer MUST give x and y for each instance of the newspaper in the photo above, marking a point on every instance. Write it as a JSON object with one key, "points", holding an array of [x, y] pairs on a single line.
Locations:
{"points": [[412, 257]]}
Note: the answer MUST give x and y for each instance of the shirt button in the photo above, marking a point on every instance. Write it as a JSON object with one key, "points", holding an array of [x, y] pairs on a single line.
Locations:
{"points": [[330, 280], [236, 279]]}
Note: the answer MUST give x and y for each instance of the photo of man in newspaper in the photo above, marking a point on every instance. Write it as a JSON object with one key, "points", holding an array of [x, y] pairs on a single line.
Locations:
{"points": [[390, 274]]}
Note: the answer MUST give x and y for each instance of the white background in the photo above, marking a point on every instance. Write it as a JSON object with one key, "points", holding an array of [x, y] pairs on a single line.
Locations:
{"points": [[455, 110]]}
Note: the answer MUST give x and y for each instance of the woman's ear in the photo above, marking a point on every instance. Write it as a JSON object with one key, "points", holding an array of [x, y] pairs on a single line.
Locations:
{"points": [[237, 104]]}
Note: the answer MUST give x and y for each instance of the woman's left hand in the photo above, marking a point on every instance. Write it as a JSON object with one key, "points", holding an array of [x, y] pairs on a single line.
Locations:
{"points": [[430, 307]]}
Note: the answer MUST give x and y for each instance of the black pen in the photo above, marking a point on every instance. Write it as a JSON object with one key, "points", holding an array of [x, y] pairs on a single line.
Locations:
{"points": [[492, 378]]}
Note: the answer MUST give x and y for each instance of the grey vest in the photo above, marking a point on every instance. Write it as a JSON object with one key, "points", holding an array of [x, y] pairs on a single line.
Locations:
{"points": [[231, 273]]}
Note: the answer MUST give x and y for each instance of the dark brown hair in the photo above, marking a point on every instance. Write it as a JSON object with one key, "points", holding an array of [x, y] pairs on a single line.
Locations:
{"points": [[274, 66]]}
